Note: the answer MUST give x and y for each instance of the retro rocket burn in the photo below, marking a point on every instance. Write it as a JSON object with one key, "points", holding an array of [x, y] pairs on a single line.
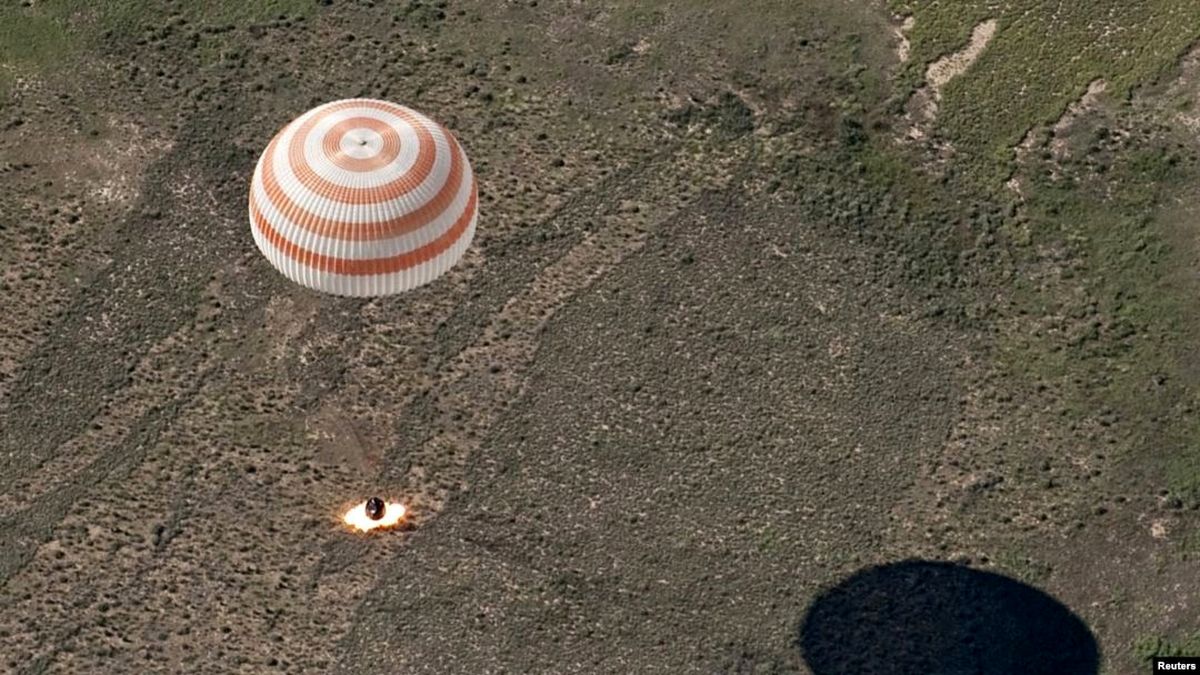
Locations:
{"points": [[373, 514]]}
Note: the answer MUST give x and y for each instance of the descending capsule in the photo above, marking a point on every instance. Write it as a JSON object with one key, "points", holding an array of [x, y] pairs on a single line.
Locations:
{"points": [[375, 508], [374, 514], [362, 197]]}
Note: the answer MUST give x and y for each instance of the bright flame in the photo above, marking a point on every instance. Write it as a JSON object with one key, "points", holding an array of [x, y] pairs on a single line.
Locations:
{"points": [[357, 517]]}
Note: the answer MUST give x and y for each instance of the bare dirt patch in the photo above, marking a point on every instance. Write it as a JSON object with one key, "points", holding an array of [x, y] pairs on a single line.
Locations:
{"points": [[1085, 104], [923, 106], [943, 70], [901, 31], [1186, 90], [1055, 138], [67, 174]]}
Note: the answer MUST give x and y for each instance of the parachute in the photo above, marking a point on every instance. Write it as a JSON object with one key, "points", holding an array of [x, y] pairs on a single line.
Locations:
{"points": [[362, 197]]}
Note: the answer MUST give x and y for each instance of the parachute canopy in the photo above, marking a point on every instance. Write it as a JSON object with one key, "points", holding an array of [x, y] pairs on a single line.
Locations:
{"points": [[363, 198]]}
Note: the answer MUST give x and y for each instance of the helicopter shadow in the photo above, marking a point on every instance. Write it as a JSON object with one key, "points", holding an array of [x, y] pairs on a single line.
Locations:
{"points": [[933, 618]]}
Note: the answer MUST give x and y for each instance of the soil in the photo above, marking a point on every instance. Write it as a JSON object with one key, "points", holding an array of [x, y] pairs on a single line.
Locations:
{"points": [[705, 361]]}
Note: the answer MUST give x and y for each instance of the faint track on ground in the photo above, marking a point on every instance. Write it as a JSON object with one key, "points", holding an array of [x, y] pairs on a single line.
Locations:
{"points": [[457, 404]]}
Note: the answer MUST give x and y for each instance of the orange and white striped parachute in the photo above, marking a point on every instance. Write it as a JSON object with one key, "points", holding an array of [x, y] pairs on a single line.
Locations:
{"points": [[363, 198]]}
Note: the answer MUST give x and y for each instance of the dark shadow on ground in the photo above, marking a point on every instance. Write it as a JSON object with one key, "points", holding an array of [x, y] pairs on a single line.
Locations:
{"points": [[931, 618]]}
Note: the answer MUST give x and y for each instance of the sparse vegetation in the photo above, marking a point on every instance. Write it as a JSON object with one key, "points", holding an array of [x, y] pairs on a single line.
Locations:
{"points": [[53, 34], [1148, 647], [716, 300], [1042, 58], [1023, 567]]}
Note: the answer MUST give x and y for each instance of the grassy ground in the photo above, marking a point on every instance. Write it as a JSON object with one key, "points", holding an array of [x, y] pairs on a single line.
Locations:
{"points": [[719, 318], [1043, 56], [1135, 322], [50, 35], [1157, 646], [1110, 334]]}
